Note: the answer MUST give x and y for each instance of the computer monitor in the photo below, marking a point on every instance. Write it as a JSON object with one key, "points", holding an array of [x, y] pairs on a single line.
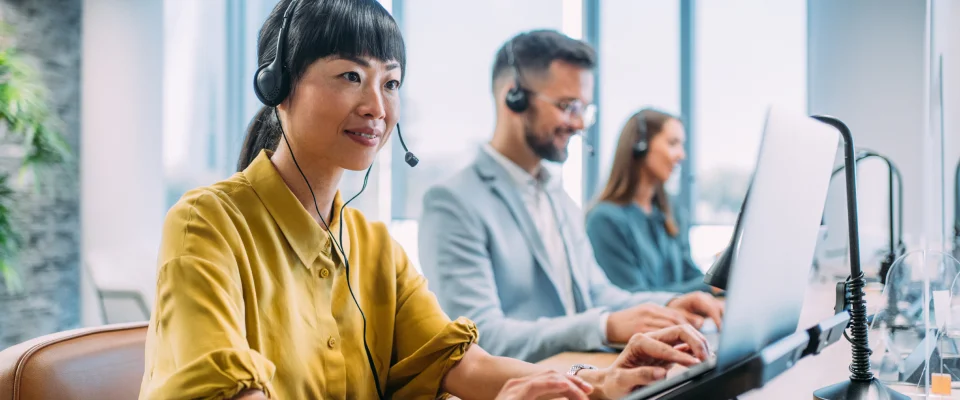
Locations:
{"points": [[773, 245], [778, 229]]}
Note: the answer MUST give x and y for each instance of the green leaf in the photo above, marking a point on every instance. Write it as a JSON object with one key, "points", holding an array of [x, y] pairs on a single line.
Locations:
{"points": [[11, 279], [25, 110], [9, 239], [23, 107]]}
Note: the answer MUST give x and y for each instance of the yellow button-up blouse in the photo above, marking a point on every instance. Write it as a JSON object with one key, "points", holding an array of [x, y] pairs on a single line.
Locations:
{"points": [[251, 294]]}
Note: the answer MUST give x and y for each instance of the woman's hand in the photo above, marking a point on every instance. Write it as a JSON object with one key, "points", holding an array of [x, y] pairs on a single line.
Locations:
{"points": [[545, 385], [646, 359], [643, 318], [697, 305]]}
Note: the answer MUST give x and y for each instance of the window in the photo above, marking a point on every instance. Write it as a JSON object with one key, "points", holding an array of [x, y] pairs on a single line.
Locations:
{"points": [[639, 67], [209, 62], [210, 57], [448, 109], [571, 172], [746, 58], [193, 132]]}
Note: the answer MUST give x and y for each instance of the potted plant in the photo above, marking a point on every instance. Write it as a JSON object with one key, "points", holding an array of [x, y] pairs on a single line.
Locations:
{"points": [[28, 124]]}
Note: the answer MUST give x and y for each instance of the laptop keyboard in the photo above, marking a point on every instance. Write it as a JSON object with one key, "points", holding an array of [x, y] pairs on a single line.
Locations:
{"points": [[675, 380]]}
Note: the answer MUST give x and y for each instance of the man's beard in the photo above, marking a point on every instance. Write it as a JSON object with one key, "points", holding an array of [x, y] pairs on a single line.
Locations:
{"points": [[544, 147]]}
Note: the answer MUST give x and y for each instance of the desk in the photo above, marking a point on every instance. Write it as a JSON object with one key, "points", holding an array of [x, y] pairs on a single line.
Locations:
{"points": [[562, 362], [810, 374]]}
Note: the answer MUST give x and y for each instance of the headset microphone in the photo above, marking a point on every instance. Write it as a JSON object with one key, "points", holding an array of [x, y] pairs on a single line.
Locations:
{"points": [[411, 159], [517, 99], [586, 143], [271, 82]]}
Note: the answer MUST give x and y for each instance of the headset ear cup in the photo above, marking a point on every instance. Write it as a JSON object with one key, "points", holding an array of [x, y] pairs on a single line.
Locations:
{"points": [[640, 149], [271, 84], [517, 99]]}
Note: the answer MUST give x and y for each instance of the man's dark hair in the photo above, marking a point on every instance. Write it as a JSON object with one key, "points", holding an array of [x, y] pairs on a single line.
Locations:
{"points": [[534, 51]]}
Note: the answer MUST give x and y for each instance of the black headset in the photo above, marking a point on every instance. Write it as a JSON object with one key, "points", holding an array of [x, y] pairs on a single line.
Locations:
{"points": [[643, 146], [518, 98], [271, 82]]}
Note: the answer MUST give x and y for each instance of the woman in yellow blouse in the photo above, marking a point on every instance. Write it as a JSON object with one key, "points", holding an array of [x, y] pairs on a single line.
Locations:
{"points": [[255, 298]]}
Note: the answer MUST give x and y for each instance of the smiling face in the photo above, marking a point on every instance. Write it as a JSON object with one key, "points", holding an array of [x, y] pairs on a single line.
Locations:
{"points": [[549, 123], [343, 109], [666, 151]]}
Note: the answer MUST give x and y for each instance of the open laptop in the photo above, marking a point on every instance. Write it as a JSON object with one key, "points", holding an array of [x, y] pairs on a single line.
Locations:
{"points": [[774, 242]]}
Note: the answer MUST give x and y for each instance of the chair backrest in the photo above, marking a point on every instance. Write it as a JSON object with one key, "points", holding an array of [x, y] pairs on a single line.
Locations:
{"points": [[104, 362]]}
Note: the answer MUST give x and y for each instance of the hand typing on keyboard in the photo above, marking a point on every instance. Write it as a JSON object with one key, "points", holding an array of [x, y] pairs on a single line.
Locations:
{"points": [[646, 359], [678, 369]]}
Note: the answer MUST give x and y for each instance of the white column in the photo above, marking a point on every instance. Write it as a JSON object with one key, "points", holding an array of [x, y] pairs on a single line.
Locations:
{"points": [[122, 195]]}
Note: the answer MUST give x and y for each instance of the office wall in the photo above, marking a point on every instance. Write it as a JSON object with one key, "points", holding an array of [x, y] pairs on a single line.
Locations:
{"points": [[946, 42], [866, 67], [122, 168], [48, 31]]}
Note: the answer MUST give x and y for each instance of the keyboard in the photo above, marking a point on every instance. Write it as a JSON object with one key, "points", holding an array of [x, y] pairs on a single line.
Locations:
{"points": [[675, 380]]}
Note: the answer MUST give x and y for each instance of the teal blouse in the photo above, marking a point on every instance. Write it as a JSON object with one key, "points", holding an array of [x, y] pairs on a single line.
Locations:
{"points": [[637, 253]]}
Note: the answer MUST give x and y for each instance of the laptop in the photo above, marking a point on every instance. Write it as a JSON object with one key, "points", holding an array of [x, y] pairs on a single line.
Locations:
{"points": [[773, 244]]}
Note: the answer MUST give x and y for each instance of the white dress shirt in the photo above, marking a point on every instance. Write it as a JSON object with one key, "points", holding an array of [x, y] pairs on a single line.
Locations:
{"points": [[533, 190]]}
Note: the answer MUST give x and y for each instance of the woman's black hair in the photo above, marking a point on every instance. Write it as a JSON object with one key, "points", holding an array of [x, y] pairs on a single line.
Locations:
{"points": [[318, 29]]}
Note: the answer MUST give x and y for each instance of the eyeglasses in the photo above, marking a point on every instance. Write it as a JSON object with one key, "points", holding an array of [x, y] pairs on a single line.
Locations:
{"points": [[574, 108]]}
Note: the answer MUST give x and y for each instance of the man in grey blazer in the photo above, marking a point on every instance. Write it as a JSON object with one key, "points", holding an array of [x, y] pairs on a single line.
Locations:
{"points": [[501, 242]]}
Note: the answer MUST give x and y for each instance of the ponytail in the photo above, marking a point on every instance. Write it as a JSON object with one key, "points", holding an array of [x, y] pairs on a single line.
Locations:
{"points": [[263, 133]]}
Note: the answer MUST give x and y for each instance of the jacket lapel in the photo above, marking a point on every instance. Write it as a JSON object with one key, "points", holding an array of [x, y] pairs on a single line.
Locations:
{"points": [[500, 184]]}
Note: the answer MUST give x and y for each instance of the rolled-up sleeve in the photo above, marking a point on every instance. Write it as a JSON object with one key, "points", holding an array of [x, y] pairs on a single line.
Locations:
{"points": [[427, 344], [197, 347], [200, 347]]}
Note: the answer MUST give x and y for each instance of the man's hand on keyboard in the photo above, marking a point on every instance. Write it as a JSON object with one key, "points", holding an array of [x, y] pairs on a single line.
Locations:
{"points": [[646, 359]]}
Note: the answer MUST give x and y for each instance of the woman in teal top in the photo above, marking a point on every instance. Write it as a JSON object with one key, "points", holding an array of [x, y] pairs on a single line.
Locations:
{"points": [[632, 227]]}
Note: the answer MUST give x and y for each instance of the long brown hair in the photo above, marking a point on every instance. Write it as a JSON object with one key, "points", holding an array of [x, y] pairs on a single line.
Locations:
{"points": [[625, 172]]}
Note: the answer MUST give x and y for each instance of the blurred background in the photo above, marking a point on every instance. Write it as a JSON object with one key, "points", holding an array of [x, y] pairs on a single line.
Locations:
{"points": [[135, 102]]}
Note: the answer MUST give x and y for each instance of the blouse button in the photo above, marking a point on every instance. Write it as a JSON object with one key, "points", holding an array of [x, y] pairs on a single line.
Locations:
{"points": [[331, 343], [324, 273]]}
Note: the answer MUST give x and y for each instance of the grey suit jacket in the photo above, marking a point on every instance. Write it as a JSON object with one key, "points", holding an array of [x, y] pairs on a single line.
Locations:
{"points": [[483, 257]]}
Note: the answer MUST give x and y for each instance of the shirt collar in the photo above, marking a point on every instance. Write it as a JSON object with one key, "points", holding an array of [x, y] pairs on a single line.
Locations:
{"points": [[520, 176], [307, 238]]}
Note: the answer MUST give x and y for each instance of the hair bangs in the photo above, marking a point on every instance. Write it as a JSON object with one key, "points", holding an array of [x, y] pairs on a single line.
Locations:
{"points": [[350, 29]]}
